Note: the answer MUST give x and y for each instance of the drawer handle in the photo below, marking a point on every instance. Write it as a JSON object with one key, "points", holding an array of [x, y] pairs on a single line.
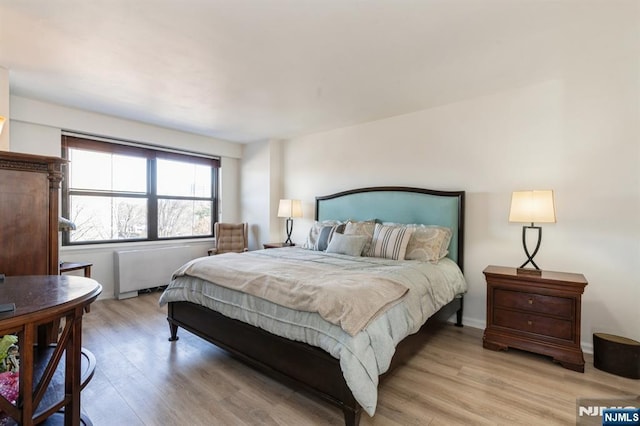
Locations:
{"points": [[531, 301], [529, 322]]}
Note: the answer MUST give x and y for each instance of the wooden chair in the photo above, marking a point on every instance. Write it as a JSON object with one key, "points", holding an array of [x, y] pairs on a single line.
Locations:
{"points": [[230, 237]]}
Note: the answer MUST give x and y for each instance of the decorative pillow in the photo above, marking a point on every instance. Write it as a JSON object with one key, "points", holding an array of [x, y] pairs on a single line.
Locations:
{"points": [[347, 244], [314, 231], [390, 242], [361, 228], [428, 243], [325, 235]]}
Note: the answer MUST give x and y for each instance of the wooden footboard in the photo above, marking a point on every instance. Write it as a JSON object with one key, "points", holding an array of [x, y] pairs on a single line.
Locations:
{"points": [[296, 364]]}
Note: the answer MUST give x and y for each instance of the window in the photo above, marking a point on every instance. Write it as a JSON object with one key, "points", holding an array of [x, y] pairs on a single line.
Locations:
{"points": [[116, 192]]}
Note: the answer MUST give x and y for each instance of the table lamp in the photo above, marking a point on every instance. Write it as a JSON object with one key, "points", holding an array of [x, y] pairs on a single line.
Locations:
{"points": [[531, 207], [289, 209]]}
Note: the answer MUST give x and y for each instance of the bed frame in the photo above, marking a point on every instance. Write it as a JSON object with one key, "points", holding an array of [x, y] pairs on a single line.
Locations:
{"points": [[309, 368]]}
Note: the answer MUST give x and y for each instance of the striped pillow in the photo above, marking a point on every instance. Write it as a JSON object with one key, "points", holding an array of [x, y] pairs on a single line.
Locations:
{"points": [[390, 242], [325, 236], [312, 237]]}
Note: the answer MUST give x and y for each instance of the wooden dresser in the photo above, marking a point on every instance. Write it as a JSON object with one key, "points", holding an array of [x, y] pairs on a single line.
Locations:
{"points": [[29, 186], [539, 314]]}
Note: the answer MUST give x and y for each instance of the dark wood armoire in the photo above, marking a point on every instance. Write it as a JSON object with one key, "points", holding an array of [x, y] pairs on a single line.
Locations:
{"points": [[29, 192]]}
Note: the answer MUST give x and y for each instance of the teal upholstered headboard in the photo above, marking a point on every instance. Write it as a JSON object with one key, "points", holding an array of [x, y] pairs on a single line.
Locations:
{"points": [[400, 205]]}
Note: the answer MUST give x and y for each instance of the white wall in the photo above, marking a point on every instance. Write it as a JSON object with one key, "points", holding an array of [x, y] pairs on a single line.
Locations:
{"points": [[4, 108], [261, 192], [29, 111], [577, 133], [36, 129], [255, 178], [230, 208]]}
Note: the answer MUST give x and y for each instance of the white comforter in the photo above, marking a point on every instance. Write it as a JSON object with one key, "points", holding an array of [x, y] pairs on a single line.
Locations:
{"points": [[366, 355], [343, 293]]}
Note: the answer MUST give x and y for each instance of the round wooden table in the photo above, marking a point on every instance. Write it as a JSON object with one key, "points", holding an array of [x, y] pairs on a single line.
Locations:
{"points": [[48, 322]]}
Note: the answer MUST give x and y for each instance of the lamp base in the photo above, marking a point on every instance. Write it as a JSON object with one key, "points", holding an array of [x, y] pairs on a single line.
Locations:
{"points": [[529, 271], [289, 230]]}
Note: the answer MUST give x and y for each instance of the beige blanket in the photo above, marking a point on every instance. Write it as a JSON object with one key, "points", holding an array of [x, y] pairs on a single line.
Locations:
{"points": [[344, 296]]}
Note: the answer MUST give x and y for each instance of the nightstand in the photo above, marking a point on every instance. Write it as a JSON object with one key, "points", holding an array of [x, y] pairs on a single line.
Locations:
{"points": [[538, 314], [276, 245]]}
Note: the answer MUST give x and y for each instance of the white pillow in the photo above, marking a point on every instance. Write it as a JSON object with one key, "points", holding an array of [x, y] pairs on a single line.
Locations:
{"points": [[390, 242], [347, 244]]}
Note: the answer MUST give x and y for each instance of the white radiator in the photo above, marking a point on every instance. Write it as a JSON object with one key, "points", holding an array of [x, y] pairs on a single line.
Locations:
{"points": [[147, 268]]}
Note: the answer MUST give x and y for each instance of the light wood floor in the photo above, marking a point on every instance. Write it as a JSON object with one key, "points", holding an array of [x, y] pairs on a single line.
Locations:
{"points": [[142, 379]]}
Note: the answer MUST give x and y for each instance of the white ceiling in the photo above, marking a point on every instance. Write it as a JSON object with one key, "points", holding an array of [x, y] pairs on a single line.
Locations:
{"points": [[247, 70]]}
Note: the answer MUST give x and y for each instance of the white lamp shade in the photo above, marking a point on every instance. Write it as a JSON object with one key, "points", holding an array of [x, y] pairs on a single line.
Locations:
{"points": [[532, 206], [2, 120], [290, 208]]}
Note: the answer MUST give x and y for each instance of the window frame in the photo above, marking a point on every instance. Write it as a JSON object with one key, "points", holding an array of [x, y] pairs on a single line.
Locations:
{"points": [[151, 153]]}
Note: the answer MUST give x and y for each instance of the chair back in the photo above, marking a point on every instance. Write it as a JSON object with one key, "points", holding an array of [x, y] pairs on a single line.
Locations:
{"points": [[231, 237]]}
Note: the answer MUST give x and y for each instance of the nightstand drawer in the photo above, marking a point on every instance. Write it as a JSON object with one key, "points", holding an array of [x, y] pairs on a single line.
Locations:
{"points": [[533, 323], [558, 306]]}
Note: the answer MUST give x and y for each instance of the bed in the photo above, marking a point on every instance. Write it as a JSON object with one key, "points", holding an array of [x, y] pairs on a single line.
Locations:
{"points": [[316, 367]]}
